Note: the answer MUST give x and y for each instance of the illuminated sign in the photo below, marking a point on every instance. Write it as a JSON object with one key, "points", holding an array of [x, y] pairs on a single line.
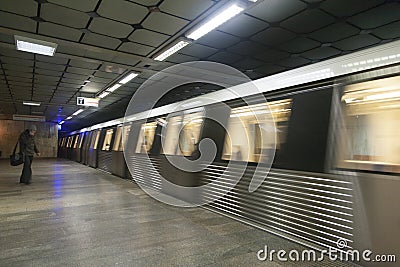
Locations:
{"points": [[88, 102]]}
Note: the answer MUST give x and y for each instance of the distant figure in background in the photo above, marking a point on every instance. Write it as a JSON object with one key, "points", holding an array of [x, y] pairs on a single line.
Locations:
{"points": [[28, 147]]}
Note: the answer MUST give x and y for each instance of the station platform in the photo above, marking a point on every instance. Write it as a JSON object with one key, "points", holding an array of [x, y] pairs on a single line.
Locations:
{"points": [[74, 215]]}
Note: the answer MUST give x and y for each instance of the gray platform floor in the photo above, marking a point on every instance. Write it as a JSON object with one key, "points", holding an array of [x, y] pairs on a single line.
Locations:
{"points": [[74, 215]]}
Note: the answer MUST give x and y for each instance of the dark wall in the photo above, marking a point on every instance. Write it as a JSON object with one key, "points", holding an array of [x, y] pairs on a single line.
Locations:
{"points": [[306, 143]]}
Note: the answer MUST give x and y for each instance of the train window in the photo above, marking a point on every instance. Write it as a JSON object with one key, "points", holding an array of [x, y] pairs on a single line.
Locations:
{"points": [[169, 145], [107, 140], [250, 134], [146, 137], [95, 139], [369, 139], [69, 141], [190, 133], [81, 137], [125, 136], [118, 138], [183, 133], [76, 141]]}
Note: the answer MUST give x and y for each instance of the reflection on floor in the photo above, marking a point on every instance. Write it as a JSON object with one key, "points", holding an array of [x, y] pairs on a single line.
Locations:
{"points": [[73, 215]]}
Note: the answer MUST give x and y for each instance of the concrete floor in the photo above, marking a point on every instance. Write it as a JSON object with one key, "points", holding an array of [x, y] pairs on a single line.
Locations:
{"points": [[73, 215]]}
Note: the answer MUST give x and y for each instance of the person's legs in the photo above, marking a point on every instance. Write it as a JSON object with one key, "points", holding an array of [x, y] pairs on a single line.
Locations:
{"points": [[26, 174]]}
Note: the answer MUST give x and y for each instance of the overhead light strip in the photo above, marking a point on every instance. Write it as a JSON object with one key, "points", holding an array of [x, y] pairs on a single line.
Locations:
{"points": [[30, 103], [113, 88], [104, 94], [128, 78], [78, 112], [216, 21], [172, 50], [121, 82], [35, 46]]}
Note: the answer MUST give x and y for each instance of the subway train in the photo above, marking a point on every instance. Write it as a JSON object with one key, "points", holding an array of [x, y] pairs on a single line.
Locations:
{"points": [[326, 141]]}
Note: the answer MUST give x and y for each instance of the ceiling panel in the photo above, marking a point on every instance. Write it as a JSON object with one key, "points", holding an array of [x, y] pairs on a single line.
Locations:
{"points": [[135, 48], [110, 28], [163, 23], [101, 40], [276, 10], [244, 26], [299, 45], [62, 32], [218, 39], [188, 9], [342, 30], [17, 22], [356, 42], [199, 51], [382, 15], [24, 7], [310, 20], [64, 16], [85, 6], [341, 8], [123, 11], [151, 38]]}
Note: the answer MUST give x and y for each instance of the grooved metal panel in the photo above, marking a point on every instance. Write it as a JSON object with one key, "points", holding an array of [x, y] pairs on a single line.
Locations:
{"points": [[315, 208], [144, 173], [105, 161]]}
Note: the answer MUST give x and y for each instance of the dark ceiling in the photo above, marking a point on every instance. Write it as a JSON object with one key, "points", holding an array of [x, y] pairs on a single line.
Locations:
{"points": [[102, 40]]}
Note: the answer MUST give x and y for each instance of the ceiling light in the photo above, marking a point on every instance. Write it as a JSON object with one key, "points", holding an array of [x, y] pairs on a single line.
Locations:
{"points": [[113, 88], [128, 78], [178, 46], [30, 103], [77, 112], [104, 94], [35, 46], [61, 122], [216, 21], [70, 117], [390, 95]]}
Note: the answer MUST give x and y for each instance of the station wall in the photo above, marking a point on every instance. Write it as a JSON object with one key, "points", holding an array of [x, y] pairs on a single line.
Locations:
{"points": [[46, 137]]}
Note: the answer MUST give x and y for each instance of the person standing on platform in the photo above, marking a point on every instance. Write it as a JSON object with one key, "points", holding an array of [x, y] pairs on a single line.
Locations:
{"points": [[28, 147]]}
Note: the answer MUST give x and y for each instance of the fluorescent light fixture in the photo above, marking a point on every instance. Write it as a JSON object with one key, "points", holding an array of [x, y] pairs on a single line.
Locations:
{"points": [[172, 50], [70, 117], [61, 122], [216, 21], [104, 94], [128, 78], [30, 103], [383, 96], [113, 88], [35, 46], [77, 112]]}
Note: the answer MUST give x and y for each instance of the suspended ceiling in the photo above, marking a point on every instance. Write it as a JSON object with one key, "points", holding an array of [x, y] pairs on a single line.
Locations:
{"points": [[100, 41]]}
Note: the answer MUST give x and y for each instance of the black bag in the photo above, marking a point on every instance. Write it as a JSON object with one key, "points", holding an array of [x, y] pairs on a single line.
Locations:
{"points": [[17, 158]]}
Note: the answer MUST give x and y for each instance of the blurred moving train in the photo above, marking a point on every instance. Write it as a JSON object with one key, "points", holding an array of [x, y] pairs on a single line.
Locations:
{"points": [[335, 174]]}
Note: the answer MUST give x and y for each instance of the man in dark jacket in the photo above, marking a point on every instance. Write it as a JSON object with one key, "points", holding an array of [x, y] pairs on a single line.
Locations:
{"points": [[28, 147]]}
